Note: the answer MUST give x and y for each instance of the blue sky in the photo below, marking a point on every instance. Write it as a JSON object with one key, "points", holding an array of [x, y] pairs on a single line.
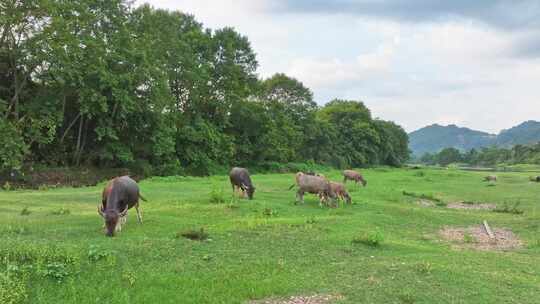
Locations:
{"points": [[471, 63]]}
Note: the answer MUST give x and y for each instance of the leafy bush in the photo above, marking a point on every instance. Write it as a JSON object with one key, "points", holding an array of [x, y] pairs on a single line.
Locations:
{"points": [[372, 238]]}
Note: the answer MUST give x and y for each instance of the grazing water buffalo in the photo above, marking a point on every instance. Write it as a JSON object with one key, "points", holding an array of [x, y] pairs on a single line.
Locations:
{"points": [[240, 179], [490, 178], [120, 194], [341, 192], [355, 176], [535, 179], [315, 185]]}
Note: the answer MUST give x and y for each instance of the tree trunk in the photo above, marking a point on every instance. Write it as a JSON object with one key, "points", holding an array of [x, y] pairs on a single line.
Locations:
{"points": [[76, 154]]}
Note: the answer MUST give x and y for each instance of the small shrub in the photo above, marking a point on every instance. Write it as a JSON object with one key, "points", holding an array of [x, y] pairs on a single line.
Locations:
{"points": [[61, 211], [311, 221], [25, 211], [506, 208], [420, 174], [194, 235], [372, 238], [217, 196], [43, 187]]}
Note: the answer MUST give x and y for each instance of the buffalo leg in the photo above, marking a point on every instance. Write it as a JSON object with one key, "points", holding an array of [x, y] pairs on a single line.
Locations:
{"points": [[344, 179], [300, 196], [139, 213]]}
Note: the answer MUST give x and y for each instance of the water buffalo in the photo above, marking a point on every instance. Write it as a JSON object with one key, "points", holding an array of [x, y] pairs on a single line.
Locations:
{"points": [[120, 194], [341, 192], [353, 175], [490, 178], [239, 178], [535, 179], [315, 185]]}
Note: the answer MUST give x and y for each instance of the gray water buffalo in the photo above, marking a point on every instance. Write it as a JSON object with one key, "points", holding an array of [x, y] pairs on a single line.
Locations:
{"points": [[353, 175], [315, 185], [120, 194], [490, 178], [341, 192], [239, 178]]}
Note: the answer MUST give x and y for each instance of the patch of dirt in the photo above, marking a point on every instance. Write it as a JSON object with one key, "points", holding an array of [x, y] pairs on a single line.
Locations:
{"points": [[312, 299], [468, 205], [425, 203], [476, 237]]}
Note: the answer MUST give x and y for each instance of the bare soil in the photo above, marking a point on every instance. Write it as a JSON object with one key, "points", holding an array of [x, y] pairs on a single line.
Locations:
{"points": [[311, 299], [474, 206], [476, 237]]}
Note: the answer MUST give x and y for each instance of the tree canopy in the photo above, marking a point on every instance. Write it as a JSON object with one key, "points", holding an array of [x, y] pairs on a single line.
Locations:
{"points": [[95, 82]]}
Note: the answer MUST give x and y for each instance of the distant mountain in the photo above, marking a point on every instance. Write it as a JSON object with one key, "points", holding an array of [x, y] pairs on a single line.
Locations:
{"points": [[525, 133], [436, 137]]}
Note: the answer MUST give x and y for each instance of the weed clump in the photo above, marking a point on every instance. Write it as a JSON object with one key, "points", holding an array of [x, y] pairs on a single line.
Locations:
{"points": [[12, 289], [194, 235], [61, 211], [217, 196], [372, 238], [25, 211], [430, 197], [269, 212], [95, 254], [506, 208], [424, 267]]}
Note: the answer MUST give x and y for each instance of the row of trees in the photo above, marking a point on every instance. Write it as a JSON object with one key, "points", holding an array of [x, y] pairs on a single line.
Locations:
{"points": [[489, 156], [97, 82]]}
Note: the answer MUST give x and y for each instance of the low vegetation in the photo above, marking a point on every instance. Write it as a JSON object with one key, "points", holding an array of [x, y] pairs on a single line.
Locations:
{"points": [[384, 249]]}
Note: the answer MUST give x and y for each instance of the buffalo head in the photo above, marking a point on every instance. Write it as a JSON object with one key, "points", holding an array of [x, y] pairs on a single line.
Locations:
{"points": [[111, 218]]}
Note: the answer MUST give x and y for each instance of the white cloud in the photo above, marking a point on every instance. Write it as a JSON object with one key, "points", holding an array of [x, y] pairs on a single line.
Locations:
{"points": [[464, 70]]}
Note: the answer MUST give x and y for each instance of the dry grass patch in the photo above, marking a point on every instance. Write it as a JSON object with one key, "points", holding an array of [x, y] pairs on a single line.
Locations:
{"points": [[425, 203], [471, 205], [476, 237], [311, 299]]}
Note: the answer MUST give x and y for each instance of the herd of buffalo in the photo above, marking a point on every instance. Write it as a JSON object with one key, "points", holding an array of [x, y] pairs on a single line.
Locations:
{"points": [[122, 193]]}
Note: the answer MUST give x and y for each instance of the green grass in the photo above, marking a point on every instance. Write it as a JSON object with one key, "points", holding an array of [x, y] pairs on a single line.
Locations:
{"points": [[270, 246]]}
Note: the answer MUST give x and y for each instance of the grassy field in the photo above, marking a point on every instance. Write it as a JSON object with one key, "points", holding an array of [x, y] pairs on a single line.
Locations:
{"points": [[53, 250]]}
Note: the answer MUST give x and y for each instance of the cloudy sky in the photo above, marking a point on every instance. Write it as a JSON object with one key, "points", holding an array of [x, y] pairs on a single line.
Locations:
{"points": [[474, 63]]}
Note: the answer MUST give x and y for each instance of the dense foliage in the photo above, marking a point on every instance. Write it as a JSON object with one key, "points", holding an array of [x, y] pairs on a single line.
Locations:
{"points": [[489, 156], [97, 82]]}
